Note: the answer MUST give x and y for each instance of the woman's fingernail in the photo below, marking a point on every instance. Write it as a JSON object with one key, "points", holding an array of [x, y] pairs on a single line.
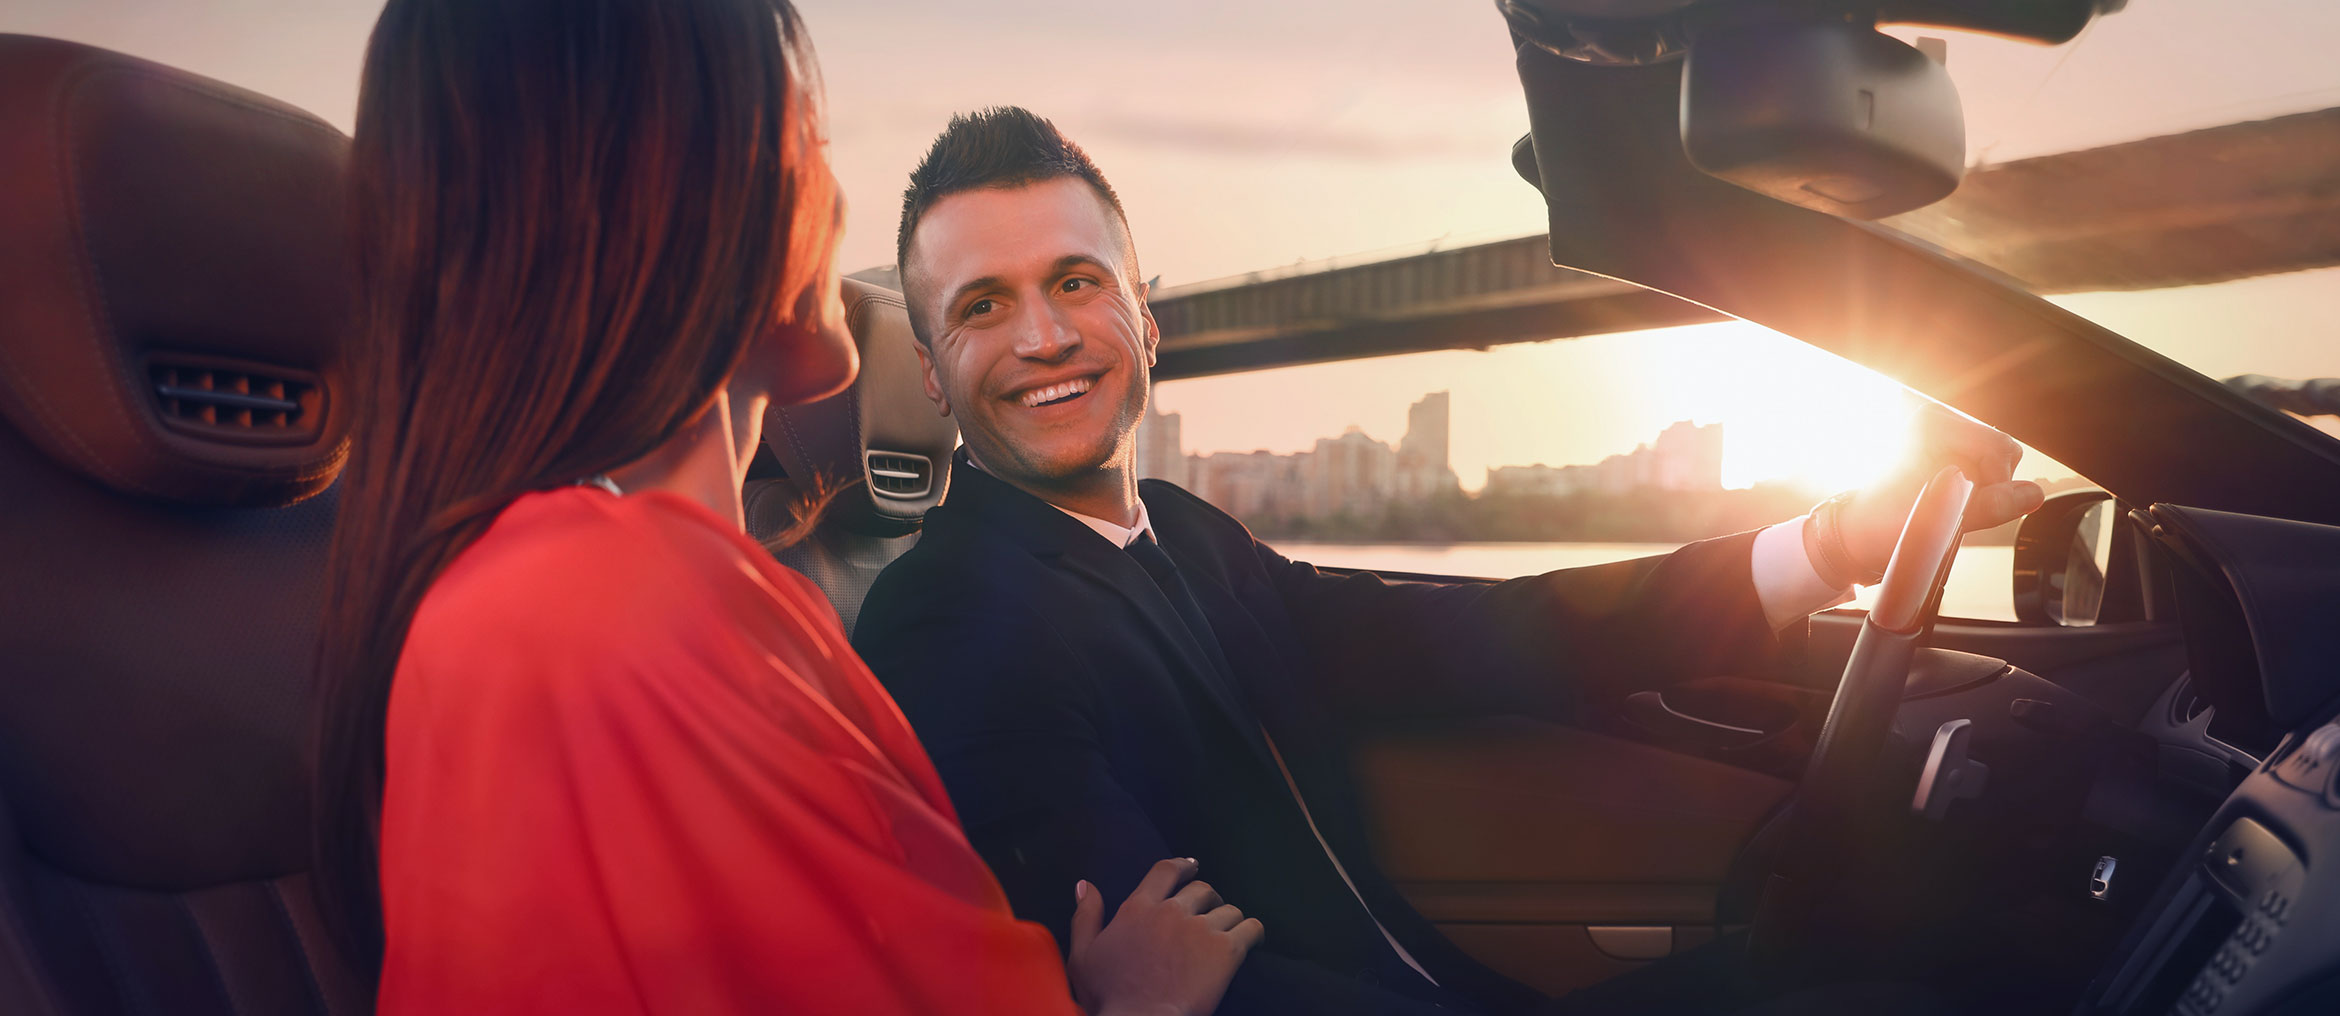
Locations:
{"points": [[1080, 890]]}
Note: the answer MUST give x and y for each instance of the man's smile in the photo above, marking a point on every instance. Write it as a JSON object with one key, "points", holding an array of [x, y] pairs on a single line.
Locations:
{"points": [[1055, 392]]}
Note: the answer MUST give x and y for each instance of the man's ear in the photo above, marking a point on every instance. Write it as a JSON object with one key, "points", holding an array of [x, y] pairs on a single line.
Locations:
{"points": [[1153, 331], [926, 376]]}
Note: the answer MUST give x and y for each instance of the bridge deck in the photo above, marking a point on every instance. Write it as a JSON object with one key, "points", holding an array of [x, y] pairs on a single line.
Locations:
{"points": [[2206, 206]]}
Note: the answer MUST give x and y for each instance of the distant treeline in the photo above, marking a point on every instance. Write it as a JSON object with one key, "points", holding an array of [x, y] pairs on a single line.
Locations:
{"points": [[1641, 516]]}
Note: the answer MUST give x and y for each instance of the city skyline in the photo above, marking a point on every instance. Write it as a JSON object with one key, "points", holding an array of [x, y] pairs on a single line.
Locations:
{"points": [[1357, 476], [1352, 474], [1355, 487], [1684, 455]]}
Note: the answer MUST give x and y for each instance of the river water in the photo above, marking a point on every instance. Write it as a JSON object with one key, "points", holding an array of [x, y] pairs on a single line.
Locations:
{"points": [[1980, 586]]}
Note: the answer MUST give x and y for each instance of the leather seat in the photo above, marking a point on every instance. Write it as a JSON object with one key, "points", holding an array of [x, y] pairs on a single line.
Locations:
{"points": [[880, 445], [172, 296]]}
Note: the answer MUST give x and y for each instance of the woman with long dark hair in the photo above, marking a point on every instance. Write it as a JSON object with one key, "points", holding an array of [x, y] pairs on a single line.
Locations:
{"points": [[583, 746]]}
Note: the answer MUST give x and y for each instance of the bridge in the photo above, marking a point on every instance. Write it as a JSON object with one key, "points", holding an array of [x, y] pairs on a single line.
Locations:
{"points": [[2206, 206]]}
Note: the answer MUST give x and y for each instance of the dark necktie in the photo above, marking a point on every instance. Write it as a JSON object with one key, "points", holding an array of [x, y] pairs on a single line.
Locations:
{"points": [[1164, 572]]}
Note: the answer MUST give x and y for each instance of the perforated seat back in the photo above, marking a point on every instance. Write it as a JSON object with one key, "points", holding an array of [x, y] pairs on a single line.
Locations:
{"points": [[879, 443], [172, 298]]}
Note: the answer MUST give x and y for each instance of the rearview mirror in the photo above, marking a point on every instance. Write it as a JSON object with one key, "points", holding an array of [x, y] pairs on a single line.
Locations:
{"points": [[1834, 116]]}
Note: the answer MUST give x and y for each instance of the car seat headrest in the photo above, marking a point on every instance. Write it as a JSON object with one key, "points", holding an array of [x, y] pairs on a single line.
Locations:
{"points": [[172, 286], [880, 434]]}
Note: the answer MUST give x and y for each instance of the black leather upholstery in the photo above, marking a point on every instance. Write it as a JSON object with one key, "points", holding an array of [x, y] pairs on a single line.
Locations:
{"points": [[880, 442], [164, 554]]}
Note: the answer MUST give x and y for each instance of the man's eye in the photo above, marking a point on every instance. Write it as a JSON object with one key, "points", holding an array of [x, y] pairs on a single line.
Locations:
{"points": [[1073, 284], [980, 308]]}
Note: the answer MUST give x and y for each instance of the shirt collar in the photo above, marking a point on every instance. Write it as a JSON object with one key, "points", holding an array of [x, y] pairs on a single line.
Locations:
{"points": [[1118, 535]]}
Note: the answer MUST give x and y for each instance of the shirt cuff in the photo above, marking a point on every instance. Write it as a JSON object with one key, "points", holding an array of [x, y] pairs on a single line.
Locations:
{"points": [[1787, 585]]}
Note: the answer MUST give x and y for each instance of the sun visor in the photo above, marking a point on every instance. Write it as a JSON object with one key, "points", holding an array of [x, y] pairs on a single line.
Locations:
{"points": [[173, 295]]}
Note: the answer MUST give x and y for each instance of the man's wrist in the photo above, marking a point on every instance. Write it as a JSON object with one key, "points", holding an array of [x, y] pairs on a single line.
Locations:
{"points": [[1786, 584], [1824, 542]]}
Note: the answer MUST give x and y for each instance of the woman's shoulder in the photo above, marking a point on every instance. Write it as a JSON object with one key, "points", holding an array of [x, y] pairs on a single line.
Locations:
{"points": [[577, 570]]}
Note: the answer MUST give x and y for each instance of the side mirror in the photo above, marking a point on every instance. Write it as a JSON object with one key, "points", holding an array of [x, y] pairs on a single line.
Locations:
{"points": [[1833, 116], [2067, 558]]}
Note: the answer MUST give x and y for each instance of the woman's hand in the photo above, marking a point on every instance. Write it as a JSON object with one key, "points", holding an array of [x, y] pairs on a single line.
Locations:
{"points": [[1171, 948]]}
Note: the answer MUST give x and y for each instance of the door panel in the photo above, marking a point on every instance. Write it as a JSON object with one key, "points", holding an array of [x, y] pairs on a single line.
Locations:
{"points": [[1556, 856], [1562, 857]]}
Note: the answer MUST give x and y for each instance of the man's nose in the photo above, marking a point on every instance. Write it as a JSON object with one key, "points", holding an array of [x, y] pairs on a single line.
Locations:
{"points": [[1045, 335]]}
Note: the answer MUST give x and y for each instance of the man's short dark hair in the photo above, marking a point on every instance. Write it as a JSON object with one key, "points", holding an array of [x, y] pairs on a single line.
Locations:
{"points": [[1003, 146]]}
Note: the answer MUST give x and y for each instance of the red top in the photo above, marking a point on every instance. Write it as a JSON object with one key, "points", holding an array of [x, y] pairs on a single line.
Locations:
{"points": [[634, 767]]}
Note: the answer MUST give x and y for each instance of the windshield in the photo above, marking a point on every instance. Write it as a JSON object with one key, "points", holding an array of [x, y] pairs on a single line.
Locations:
{"points": [[2203, 222], [1249, 141]]}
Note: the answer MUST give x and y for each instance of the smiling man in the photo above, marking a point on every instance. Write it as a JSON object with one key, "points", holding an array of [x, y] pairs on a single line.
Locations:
{"points": [[1044, 362], [1108, 672]]}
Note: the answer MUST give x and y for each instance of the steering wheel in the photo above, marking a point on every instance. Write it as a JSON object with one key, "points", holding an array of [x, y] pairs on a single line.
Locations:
{"points": [[1837, 781]]}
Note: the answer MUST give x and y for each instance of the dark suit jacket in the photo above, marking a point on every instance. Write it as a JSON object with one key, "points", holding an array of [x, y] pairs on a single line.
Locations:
{"points": [[1084, 732]]}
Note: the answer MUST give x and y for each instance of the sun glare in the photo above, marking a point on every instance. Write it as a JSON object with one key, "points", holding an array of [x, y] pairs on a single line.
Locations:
{"points": [[1844, 440], [1794, 414]]}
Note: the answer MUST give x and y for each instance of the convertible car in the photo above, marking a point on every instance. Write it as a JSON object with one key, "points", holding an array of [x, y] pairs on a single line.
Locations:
{"points": [[2121, 801]]}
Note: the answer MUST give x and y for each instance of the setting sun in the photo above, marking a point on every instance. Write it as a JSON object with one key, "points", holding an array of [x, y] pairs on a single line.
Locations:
{"points": [[1811, 420]]}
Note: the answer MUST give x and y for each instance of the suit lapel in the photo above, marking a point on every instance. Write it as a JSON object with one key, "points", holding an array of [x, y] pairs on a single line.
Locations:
{"points": [[1063, 542]]}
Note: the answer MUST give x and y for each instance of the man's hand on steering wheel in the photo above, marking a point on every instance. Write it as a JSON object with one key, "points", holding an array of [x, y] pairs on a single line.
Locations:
{"points": [[1873, 518]]}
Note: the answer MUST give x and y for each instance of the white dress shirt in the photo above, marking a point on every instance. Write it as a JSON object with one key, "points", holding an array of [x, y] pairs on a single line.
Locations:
{"points": [[1119, 536], [1786, 583]]}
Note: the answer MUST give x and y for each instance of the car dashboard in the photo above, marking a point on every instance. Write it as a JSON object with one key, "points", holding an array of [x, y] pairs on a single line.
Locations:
{"points": [[2249, 922]]}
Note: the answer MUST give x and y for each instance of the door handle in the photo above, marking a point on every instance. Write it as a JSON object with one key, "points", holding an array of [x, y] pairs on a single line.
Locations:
{"points": [[1650, 711]]}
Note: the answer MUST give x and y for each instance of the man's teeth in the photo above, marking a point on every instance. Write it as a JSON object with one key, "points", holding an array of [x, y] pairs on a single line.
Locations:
{"points": [[1060, 390]]}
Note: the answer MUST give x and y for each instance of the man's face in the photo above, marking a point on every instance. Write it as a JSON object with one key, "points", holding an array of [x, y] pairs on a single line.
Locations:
{"points": [[1038, 343]]}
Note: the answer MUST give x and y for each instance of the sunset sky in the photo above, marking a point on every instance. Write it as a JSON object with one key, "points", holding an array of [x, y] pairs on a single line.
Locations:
{"points": [[1246, 134]]}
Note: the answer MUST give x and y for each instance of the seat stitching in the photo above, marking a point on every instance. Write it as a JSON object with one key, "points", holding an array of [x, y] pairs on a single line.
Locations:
{"points": [[811, 483], [860, 437], [308, 965], [69, 196], [117, 978], [203, 938]]}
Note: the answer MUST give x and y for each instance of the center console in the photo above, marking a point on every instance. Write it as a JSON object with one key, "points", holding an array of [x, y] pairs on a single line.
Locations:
{"points": [[2250, 923]]}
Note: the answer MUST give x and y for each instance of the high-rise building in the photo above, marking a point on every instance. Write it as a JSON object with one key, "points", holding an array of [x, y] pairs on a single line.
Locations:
{"points": [[1422, 467], [1424, 445], [1351, 473], [1259, 488], [1687, 457], [1160, 455]]}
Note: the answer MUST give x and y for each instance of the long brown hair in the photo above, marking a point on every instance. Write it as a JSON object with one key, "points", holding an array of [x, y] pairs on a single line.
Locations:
{"points": [[574, 216]]}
